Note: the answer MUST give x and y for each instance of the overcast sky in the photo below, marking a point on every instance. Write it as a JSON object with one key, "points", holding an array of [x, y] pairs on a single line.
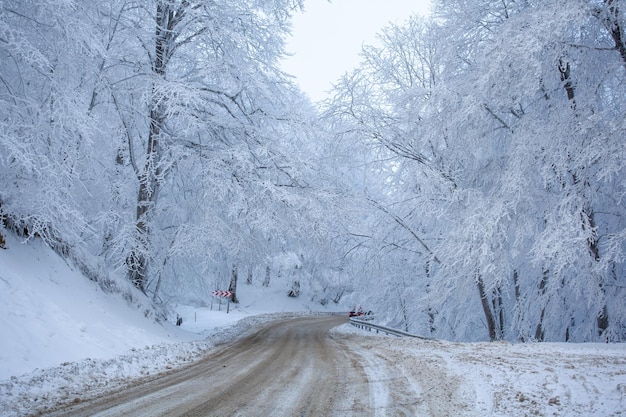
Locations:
{"points": [[328, 36]]}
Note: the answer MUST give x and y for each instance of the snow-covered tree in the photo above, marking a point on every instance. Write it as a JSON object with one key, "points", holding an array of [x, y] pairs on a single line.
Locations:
{"points": [[48, 63]]}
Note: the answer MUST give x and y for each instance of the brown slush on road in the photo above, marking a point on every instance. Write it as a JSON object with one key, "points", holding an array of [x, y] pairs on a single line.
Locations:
{"points": [[288, 368]]}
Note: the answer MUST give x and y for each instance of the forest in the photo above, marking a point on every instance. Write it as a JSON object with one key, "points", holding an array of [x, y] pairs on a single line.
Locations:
{"points": [[466, 181]]}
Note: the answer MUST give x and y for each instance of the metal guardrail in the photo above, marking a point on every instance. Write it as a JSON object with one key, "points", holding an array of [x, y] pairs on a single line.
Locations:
{"points": [[387, 330]]}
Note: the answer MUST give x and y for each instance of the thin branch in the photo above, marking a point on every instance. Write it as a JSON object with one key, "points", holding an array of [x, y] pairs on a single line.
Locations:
{"points": [[498, 118], [405, 226]]}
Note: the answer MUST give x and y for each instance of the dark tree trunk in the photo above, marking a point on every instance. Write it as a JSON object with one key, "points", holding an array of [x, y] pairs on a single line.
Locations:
{"points": [[232, 287], [295, 284], [615, 29], [338, 296], [603, 321], [539, 330], [294, 292], [266, 281], [539, 334], [249, 277], [518, 306], [489, 317], [580, 182], [3, 243]]}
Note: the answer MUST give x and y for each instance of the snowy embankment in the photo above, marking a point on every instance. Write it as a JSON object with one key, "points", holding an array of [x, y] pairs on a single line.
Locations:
{"points": [[62, 339]]}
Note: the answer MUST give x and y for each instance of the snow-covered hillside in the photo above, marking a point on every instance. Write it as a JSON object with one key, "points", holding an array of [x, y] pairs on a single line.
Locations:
{"points": [[50, 313]]}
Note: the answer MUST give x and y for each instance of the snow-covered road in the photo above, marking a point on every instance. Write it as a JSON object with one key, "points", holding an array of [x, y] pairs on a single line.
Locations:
{"points": [[297, 367], [287, 368]]}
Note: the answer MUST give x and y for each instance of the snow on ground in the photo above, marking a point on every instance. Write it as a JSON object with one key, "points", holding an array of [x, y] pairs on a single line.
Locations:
{"points": [[50, 313], [438, 378], [63, 339]]}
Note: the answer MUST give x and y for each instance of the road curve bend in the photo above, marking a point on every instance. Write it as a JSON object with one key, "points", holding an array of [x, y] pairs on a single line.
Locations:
{"points": [[288, 368]]}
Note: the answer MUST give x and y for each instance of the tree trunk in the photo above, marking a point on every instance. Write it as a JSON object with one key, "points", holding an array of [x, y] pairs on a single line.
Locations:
{"points": [[491, 321], [3, 242], [539, 334], [149, 178], [295, 284], [249, 278], [266, 281], [603, 320], [159, 280], [405, 313], [232, 287], [338, 296], [294, 292], [564, 69], [498, 309], [616, 30], [518, 305]]}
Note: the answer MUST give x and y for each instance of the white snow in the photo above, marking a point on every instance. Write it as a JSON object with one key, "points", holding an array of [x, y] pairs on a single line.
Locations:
{"points": [[50, 313], [438, 378], [62, 336]]}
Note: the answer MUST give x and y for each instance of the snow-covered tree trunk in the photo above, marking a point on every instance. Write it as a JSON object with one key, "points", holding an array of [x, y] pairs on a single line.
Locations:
{"points": [[266, 281], [2, 224], [614, 23], [249, 276], [232, 287], [167, 18]]}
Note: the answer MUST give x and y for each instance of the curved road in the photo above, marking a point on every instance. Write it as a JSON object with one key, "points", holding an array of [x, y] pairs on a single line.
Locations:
{"points": [[288, 368]]}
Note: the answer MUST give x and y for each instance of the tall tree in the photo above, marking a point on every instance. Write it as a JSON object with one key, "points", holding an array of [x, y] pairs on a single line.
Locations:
{"points": [[211, 90]]}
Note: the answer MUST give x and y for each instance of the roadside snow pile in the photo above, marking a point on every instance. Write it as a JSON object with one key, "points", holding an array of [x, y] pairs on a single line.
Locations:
{"points": [[438, 378]]}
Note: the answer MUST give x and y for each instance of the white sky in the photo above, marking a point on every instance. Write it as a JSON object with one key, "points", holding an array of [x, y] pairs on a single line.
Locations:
{"points": [[328, 36]]}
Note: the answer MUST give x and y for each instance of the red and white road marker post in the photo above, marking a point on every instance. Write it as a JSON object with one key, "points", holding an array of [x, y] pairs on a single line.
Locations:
{"points": [[221, 294]]}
